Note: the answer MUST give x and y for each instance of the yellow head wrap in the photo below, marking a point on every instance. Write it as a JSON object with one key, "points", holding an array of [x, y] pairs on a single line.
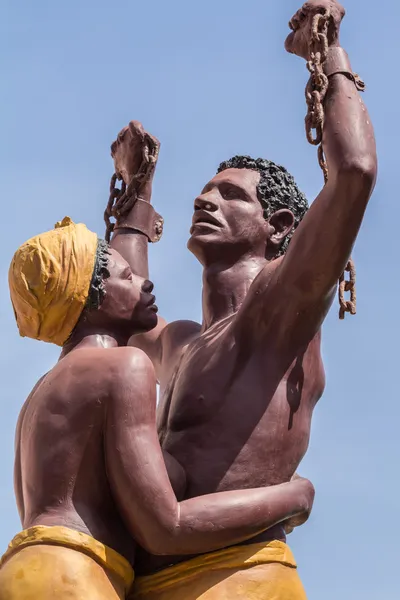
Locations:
{"points": [[49, 280]]}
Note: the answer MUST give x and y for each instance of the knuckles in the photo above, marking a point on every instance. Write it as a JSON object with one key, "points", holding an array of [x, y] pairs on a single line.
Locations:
{"points": [[300, 24], [311, 8]]}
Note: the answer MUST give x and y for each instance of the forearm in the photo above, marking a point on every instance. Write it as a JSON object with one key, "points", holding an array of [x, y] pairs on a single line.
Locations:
{"points": [[135, 155], [336, 215], [348, 137], [210, 522], [131, 243], [133, 247], [321, 246]]}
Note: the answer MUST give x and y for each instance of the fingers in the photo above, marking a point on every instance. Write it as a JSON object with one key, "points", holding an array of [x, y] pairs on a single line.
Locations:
{"points": [[122, 134], [297, 19], [313, 6], [117, 142], [289, 42], [136, 129], [153, 141], [114, 147], [134, 135]]}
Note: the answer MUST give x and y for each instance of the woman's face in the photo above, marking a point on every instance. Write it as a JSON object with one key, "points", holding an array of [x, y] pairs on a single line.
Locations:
{"points": [[128, 302]]}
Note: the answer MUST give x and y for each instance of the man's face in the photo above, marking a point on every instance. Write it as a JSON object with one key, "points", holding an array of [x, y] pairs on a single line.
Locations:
{"points": [[228, 218]]}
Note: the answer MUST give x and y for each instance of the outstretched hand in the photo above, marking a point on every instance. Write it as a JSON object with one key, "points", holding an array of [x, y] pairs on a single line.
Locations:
{"points": [[298, 41]]}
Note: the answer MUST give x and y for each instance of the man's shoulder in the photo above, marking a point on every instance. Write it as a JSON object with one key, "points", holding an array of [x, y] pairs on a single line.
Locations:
{"points": [[179, 333]]}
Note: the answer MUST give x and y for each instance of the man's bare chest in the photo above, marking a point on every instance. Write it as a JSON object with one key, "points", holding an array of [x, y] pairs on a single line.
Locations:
{"points": [[229, 407], [219, 379], [199, 382]]}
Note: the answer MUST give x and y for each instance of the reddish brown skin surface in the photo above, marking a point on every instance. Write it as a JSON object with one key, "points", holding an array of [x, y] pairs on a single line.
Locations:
{"points": [[238, 391]]}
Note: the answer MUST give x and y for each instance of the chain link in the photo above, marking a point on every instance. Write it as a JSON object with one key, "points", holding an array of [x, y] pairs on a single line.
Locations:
{"points": [[316, 90], [122, 199], [347, 286], [317, 85]]}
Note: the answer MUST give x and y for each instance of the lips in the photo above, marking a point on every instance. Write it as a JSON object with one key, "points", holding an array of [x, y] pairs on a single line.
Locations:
{"points": [[150, 304], [204, 218]]}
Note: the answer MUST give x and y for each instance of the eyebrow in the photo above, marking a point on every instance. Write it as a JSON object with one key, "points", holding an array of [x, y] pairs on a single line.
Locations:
{"points": [[237, 187]]}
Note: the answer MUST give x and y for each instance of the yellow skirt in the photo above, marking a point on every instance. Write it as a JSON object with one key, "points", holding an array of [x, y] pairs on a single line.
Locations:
{"points": [[253, 572], [45, 563]]}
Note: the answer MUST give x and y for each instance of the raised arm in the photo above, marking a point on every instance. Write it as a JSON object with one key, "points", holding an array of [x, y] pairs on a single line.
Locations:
{"points": [[142, 490], [306, 278], [134, 153], [131, 153], [324, 240]]}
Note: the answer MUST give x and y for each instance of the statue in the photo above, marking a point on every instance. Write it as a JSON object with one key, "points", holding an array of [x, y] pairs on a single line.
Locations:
{"points": [[92, 483]]}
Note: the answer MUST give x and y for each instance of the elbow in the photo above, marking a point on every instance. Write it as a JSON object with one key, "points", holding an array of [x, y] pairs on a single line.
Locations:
{"points": [[161, 546], [156, 548], [360, 173], [162, 540]]}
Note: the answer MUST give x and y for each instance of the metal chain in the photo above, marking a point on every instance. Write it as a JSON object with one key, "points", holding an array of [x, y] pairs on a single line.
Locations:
{"points": [[317, 85], [122, 199], [115, 193], [316, 90]]}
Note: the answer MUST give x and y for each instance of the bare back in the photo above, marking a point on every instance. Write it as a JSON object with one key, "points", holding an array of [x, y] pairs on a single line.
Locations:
{"points": [[60, 474]]}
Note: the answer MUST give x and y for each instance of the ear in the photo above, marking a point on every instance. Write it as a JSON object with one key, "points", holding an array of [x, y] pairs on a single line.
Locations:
{"points": [[282, 223]]}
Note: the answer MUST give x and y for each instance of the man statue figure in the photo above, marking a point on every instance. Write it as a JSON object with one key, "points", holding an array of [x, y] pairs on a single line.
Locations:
{"points": [[239, 389]]}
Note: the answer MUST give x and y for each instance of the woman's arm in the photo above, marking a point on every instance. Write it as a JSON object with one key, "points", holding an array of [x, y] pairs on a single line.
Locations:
{"points": [[142, 489]]}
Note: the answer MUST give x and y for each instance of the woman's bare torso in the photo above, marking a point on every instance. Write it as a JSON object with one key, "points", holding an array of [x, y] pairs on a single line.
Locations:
{"points": [[60, 473]]}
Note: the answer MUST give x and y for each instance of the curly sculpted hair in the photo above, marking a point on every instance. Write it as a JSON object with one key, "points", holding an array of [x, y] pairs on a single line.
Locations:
{"points": [[276, 189]]}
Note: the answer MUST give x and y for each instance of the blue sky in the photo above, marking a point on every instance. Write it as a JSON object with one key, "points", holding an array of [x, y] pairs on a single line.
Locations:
{"points": [[210, 80]]}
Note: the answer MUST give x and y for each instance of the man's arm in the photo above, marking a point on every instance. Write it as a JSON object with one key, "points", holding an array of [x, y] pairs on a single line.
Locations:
{"points": [[304, 282], [128, 152], [143, 492]]}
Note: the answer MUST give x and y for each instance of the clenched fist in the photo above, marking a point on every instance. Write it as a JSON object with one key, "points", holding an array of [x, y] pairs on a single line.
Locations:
{"points": [[133, 151], [298, 41]]}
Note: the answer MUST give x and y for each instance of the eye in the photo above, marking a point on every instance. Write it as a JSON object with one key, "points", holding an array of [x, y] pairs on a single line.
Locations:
{"points": [[230, 193], [128, 274]]}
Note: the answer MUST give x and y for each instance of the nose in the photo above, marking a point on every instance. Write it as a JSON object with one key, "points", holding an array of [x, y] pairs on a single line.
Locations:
{"points": [[205, 202], [147, 286]]}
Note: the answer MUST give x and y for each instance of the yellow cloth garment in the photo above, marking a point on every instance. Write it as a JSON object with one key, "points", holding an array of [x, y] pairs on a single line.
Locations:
{"points": [[44, 563], [49, 281], [253, 572]]}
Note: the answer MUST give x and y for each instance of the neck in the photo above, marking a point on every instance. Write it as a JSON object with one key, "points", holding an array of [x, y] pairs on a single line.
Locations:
{"points": [[225, 287], [98, 339]]}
